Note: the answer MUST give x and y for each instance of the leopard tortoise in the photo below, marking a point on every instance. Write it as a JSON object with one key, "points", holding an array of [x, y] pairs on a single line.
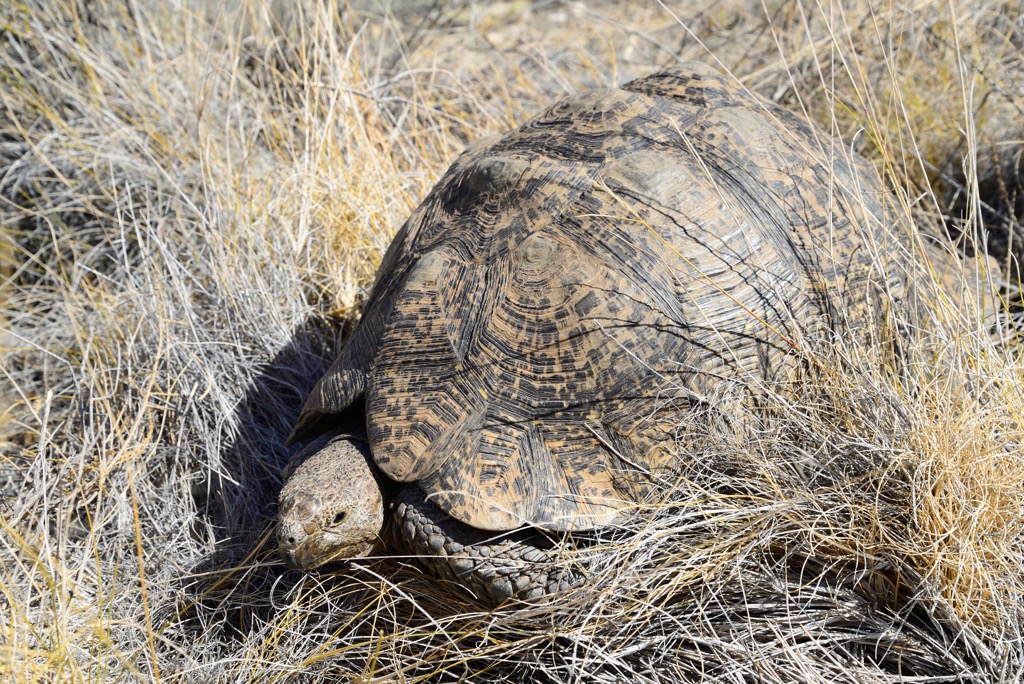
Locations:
{"points": [[565, 295]]}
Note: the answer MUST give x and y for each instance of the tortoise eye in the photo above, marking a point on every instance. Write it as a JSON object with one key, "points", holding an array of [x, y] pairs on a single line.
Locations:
{"points": [[340, 517]]}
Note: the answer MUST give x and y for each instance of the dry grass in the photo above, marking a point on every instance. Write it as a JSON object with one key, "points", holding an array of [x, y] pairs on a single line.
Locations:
{"points": [[193, 203]]}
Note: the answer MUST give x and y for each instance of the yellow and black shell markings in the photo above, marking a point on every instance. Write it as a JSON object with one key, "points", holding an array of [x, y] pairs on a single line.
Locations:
{"points": [[570, 288]]}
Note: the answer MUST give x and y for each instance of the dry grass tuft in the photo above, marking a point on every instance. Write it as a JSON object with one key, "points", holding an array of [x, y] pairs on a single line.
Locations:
{"points": [[193, 202]]}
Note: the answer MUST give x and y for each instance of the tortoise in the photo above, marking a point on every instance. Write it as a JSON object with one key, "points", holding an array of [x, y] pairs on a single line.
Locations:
{"points": [[564, 298]]}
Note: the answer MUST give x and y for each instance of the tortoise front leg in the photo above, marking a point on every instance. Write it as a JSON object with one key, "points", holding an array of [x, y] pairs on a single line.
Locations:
{"points": [[495, 566]]}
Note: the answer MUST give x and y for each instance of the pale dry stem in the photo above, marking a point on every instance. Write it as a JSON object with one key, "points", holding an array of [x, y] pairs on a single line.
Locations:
{"points": [[194, 201]]}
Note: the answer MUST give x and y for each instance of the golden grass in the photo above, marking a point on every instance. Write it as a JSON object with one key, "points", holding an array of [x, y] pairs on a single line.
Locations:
{"points": [[194, 200]]}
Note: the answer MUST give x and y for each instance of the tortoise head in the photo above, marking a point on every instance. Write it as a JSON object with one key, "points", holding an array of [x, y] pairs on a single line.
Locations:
{"points": [[331, 506]]}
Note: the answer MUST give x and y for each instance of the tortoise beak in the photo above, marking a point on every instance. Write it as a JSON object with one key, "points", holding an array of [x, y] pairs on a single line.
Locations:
{"points": [[291, 558], [296, 529]]}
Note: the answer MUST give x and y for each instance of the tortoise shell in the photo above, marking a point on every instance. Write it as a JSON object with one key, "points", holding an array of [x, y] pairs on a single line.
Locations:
{"points": [[570, 291]]}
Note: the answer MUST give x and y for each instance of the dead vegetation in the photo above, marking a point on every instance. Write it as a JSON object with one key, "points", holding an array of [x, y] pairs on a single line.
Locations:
{"points": [[194, 200]]}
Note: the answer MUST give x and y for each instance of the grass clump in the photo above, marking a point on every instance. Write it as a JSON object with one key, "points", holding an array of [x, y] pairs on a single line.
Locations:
{"points": [[193, 203]]}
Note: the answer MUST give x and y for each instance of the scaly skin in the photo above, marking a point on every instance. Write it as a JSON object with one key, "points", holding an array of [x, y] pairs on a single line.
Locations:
{"points": [[494, 565], [332, 504], [336, 505]]}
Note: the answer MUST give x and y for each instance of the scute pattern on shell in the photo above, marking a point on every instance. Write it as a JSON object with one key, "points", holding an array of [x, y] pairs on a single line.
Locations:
{"points": [[570, 289]]}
